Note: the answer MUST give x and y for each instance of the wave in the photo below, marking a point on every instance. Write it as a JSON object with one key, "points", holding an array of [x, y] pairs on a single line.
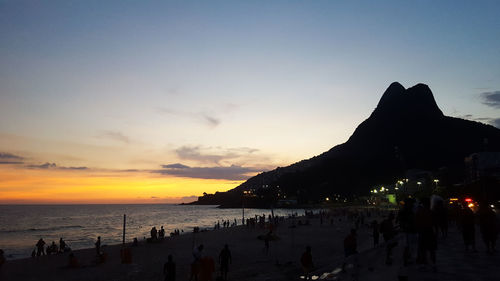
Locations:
{"points": [[55, 228]]}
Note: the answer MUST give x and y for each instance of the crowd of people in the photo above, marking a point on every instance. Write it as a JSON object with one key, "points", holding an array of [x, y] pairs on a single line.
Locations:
{"points": [[422, 221], [53, 248]]}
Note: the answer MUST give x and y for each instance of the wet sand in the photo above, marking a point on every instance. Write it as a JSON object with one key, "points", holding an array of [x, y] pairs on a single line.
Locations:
{"points": [[250, 262]]}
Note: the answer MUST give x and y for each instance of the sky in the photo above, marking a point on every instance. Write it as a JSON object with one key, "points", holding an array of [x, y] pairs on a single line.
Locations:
{"points": [[160, 101]]}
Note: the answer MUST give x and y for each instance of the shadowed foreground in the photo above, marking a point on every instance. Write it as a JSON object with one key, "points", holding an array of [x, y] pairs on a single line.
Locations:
{"points": [[250, 262]]}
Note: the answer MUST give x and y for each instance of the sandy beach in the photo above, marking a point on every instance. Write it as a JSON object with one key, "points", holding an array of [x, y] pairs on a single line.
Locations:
{"points": [[250, 262]]}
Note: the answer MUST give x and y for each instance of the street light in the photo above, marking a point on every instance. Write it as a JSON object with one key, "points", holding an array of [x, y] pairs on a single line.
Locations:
{"points": [[436, 182]]}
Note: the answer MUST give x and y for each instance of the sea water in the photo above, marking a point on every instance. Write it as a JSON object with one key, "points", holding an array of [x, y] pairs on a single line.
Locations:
{"points": [[21, 226]]}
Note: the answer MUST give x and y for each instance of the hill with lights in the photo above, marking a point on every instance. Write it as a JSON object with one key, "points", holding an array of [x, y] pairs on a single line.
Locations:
{"points": [[407, 130]]}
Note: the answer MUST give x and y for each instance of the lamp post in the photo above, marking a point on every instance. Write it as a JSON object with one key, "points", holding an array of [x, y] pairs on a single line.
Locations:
{"points": [[436, 182]]}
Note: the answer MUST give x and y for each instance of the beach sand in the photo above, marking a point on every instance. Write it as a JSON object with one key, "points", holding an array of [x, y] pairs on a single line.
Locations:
{"points": [[250, 262]]}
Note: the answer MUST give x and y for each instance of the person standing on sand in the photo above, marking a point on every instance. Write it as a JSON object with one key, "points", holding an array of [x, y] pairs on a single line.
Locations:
{"points": [[98, 245], [225, 259], [2, 258], [267, 238], [207, 268], [350, 246], [468, 228], [169, 269], [62, 245], [306, 262], [406, 219], [376, 233], [427, 241], [196, 264], [40, 246], [389, 234], [488, 225]]}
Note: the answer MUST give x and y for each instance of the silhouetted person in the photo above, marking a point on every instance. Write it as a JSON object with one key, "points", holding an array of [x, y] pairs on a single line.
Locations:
{"points": [[488, 225], [2, 258], [350, 246], [389, 234], [468, 228], [406, 219], [440, 218], [161, 233], [267, 238], [376, 232], [98, 246], [40, 247], [169, 269], [207, 268], [426, 236], [52, 249], [306, 262], [196, 264], [154, 233], [225, 259], [62, 245]]}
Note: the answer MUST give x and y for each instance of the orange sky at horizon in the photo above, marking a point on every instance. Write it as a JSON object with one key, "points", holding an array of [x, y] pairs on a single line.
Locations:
{"points": [[31, 186]]}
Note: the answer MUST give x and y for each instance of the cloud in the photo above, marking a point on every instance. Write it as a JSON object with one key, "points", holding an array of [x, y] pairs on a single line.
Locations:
{"points": [[492, 121], [175, 166], [491, 99], [211, 120], [9, 156], [495, 122], [114, 135], [10, 159], [204, 117], [189, 198], [53, 166], [211, 154], [232, 172], [10, 162]]}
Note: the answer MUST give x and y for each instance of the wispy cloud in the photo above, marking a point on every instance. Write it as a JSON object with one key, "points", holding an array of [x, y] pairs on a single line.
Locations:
{"points": [[11, 162], [114, 135], [48, 165], [495, 122], [204, 117], [212, 155], [9, 158], [211, 120], [174, 166], [492, 121], [491, 99], [232, 172]]}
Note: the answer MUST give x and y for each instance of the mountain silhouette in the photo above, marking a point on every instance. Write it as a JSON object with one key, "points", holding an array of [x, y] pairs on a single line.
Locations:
{"points": [[407, 130]]}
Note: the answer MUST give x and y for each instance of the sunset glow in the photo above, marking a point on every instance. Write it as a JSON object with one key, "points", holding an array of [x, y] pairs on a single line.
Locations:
{"points": [[35, 186], [146, 101]]}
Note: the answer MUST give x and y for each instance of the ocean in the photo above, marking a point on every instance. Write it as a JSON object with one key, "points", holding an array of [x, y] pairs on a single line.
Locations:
{"points": [[79, 225]]}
